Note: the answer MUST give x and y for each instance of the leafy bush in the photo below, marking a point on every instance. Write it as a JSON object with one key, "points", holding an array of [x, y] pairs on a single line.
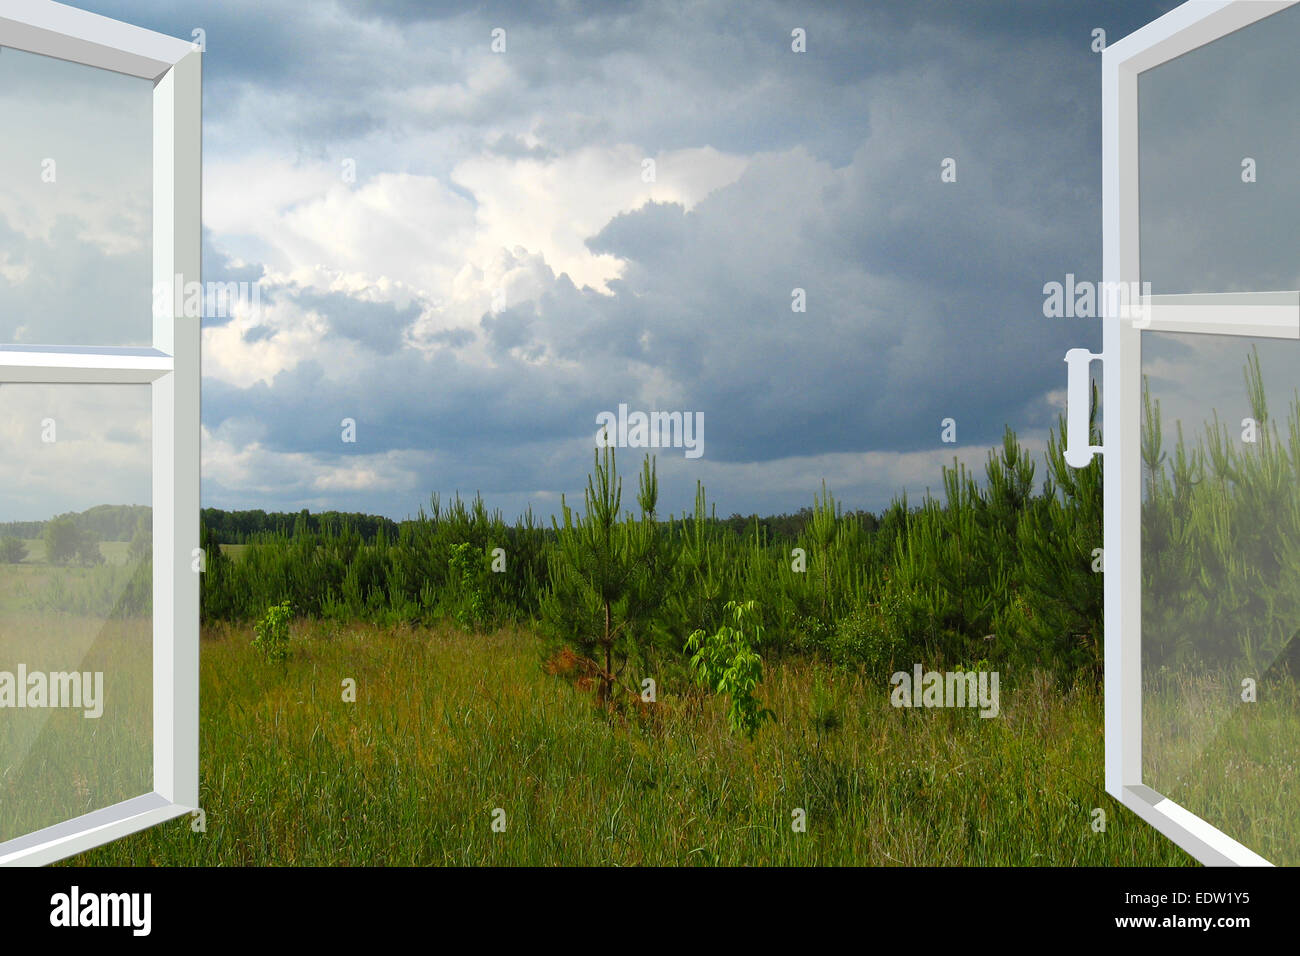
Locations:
{"points": [[61, 540], [727, 663], [469, 605], [272, 633], [12, 550], [869, 637]]}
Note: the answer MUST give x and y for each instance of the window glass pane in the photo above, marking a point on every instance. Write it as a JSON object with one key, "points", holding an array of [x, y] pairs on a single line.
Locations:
{"points": [[1221, 584], [76, 193], [1208, 122], [76, 631]]}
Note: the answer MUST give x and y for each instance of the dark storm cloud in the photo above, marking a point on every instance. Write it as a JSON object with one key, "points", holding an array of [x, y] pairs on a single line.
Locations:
{"points": [[924, 298], [535, 14]]}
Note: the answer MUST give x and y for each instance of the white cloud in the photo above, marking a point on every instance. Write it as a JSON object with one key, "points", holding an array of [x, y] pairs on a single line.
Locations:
{"points": [[553, 206]]}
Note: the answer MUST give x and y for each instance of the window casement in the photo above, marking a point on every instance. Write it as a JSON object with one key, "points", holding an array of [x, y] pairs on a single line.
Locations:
{"points": [[99, 405], [1201, 188]]}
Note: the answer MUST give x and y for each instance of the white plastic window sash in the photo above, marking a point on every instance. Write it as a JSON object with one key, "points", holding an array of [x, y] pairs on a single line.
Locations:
{"points": [[1262, 314], [72, 366], [171, 369], [1266, 313], [64, 32]]}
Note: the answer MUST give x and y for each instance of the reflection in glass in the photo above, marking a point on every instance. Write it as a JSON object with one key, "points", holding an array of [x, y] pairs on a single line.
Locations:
{"points": [[1219, 157], [76, 633], [1221, 583], [76, 193]]}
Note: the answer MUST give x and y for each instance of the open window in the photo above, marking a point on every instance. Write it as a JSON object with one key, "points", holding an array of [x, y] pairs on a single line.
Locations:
{"points": [[100, 213], [1201, 385]]}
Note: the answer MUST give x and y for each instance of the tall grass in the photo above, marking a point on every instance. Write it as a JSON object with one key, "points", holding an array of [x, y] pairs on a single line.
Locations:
{"points": [[56, 764], [447, 730]]}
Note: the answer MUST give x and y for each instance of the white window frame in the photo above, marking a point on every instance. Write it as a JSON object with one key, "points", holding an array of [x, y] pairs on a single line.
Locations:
{"points": [[1266, 314], [171, 368]]}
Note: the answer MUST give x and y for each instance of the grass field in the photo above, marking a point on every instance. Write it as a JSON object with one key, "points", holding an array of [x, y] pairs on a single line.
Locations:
{"points": [[56, 763], [114, 552], [1231, 763], [448, 728]]}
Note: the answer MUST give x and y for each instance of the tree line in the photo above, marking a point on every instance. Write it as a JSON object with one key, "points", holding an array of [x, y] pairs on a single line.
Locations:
{"points": [[103, 522]]}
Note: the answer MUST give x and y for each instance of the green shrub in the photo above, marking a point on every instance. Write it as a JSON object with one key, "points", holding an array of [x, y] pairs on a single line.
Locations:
{"points": [[61, 540], [727, 663], [868, 637], [12, 550], [272, 633], [468, 601]]}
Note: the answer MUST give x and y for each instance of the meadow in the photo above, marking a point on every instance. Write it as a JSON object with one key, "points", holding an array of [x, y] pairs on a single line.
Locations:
{"points": [[56, 763], [1235, 765], [447, 728]]}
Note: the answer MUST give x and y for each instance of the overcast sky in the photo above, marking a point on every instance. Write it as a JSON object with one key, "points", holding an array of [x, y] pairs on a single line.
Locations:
{"points": [[500, 271]]}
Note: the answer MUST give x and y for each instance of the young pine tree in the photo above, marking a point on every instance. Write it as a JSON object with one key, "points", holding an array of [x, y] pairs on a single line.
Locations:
{"points": [[607, 573]]}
